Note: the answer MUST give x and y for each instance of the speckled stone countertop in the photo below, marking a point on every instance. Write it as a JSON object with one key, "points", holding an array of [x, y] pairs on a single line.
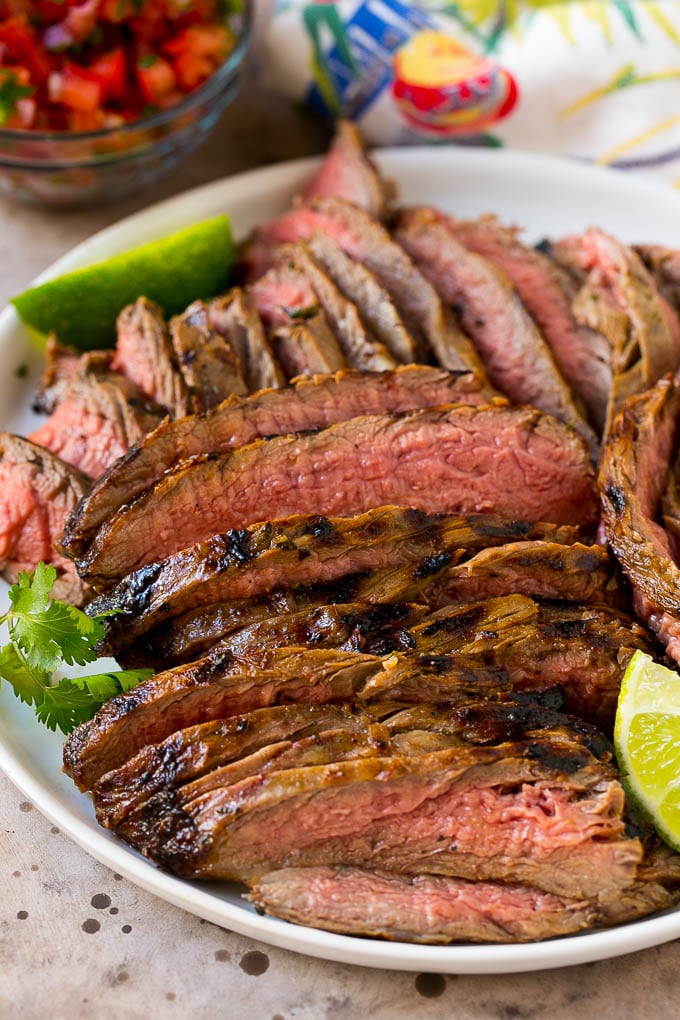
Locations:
{"points": [[78, 941]]}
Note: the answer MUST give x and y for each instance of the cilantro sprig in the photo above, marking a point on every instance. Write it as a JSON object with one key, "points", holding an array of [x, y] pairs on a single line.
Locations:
{"points": [[11, 91], [45, 635]]}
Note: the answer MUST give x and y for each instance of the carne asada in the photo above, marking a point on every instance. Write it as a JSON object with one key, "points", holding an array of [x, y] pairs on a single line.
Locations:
{"points": [[348, 172], [515, 355], [39, 490], [235, 317], [144, 354], [635, 467], [512, 461], [309, 404], [210, 366]]}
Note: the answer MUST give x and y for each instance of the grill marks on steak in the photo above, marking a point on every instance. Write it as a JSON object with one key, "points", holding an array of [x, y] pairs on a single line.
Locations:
{"points": [[331, 557], [548, 570], [513, 461], [515, 355], [309, 404], [633, 477], [470, 651], [547, 291], [38, 491], [144, 354], [432, 910]]}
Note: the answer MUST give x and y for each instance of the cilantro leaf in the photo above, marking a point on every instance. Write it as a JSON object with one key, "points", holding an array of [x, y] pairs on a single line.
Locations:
{"points": [[46, 634], [11, 91]]}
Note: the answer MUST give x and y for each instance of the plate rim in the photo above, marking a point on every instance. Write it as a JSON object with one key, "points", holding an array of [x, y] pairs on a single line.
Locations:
{"points": [[458, 958]]}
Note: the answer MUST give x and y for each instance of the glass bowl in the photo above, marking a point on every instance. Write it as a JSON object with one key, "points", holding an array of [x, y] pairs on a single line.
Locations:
{"points": [[66, 169]]}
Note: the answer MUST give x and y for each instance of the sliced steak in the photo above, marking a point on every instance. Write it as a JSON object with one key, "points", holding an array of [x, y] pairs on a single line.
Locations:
{"points": [[368, 242], [38, 492], [144, 354], [633, 477], [310, 404], [433, 910], [515, 354], [584, 650], [307, 348], [210, 366], [192, 752], [145, 785], [96, 420], [542, 812], [361, 349], [547, 291], [235, 317], [348, 172], [548, 570], [512, 461], [62, 365], [472, 651], [374, 303], [649, 348], [219, 686]]}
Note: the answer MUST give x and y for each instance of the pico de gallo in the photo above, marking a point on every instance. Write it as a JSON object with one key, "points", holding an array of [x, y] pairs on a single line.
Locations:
{"points": [[94, 64]]}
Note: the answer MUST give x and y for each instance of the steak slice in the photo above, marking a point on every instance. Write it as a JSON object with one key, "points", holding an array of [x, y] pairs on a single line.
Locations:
{"points": [[308, 348], [512, 461], [576, 573], [38, 492], [649, 349], [547, 291], [538, 812], [309, 404], [145, 355], [97, 417], [210, 366], [143, 787], [332, 559], [361, 349], [372, 300], [515, 354], [432, 910], [461, 653], [62, 365], [584, 650], [664, 266], [348, 172], [219, 686], [633, 477], [235, 317], [367, 241], [190, 753]]}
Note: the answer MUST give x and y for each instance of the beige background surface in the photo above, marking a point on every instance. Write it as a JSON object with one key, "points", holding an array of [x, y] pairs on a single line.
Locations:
{"points": [[78, 941]]}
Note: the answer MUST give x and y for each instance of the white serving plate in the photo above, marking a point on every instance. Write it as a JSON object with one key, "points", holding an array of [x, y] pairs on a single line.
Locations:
{"points": [[546, 195]]}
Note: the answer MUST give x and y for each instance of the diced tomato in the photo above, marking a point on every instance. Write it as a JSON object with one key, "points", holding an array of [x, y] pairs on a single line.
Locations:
{"points": [[156, 77], [23, 47], [76, 88], [94, 63], [198, 51], [111, 71]]}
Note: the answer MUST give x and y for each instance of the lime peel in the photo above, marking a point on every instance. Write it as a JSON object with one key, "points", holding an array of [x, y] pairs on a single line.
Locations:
{"points": [[647, 742], [81, 307]]}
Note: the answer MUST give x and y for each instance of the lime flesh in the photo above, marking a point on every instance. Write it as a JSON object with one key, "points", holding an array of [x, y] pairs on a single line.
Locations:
{"points": [[81, 307], [647, 741]]}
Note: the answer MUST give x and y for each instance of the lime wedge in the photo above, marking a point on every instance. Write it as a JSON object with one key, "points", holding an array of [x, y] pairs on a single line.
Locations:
{"points": [[647, 741], [81, 306]]}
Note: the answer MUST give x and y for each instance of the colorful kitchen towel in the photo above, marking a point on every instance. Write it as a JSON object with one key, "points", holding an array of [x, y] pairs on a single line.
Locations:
{"points": [[598, 80]]}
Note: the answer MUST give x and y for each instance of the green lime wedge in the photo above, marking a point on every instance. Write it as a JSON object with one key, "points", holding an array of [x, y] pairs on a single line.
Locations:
{"points": [[81, 307], [647, 741]]}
